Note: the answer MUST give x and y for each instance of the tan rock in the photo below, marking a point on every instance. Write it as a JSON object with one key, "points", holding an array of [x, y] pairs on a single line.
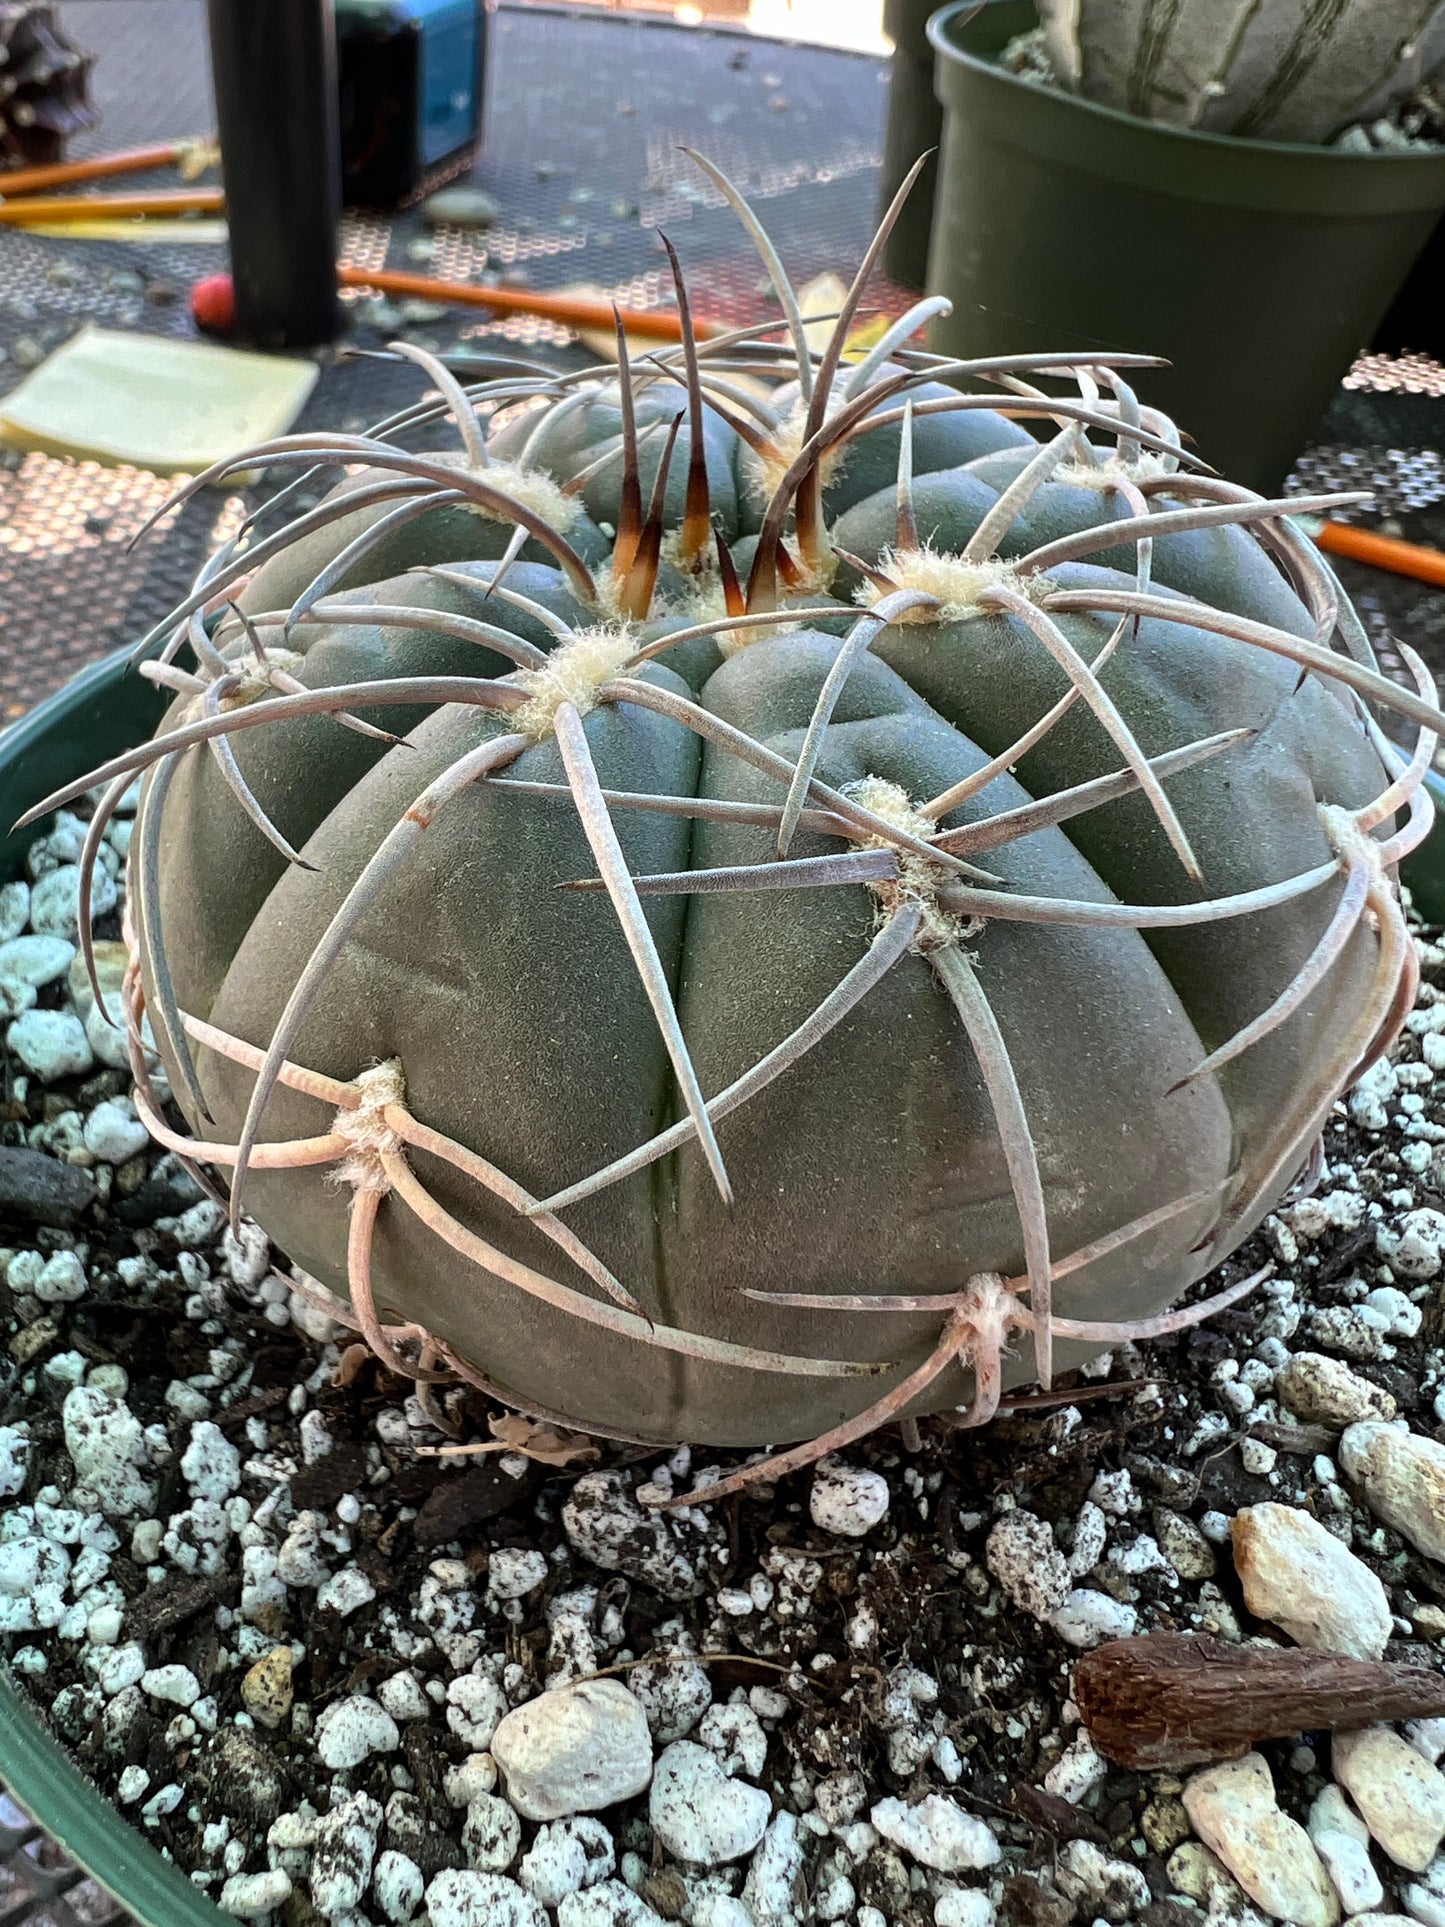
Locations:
{"points": [[266, 1690], [1402, 1477], [1301, 1577], [1232, 1808], [1401, 1797], [1324, 1391]]}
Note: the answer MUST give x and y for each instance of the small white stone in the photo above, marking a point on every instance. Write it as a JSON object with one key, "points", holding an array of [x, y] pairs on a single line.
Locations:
{"points": [[1028, 1565], [210, 1464], [345, 1592], [1233, 1810], [610, 1904], [963, 1907], [1415, 1247], [398, 1886], [1100, 1883], [131, 1785], [1324, 1391], [513, 1572], [1400, 1796], [250, 1895], [403, 1698], [62, 1280], [698, 1813], [773, 1887], [55, 900], [351, 1730], [735, 1734], [575, 1749], [847, 1499], [14, 1460], [491, 1834], [1087, 1618], [176, 1685], [1299, 1575], [51, 1044], [1077, 1771], [475, 1710], [342, 1856], [106, 1442], [300, 1561], [1427, 1737], [14, 909], [674, 1692], [460, 1898], [1331, 1812], [1402, 1477], [113, 1132], [476, 1775], [937, 1833], [1348, 1865], [566, 1857]]}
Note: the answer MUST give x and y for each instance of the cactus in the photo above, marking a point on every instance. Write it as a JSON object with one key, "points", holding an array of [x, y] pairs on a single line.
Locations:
{"points": [[690, 1008], [1282, 70]]}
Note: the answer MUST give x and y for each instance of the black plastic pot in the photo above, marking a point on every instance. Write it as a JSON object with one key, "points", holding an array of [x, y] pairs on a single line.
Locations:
{"points": [[914, 124], [1258, 269]]}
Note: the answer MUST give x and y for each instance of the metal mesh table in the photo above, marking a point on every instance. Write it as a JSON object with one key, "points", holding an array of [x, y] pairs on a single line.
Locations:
{"points": [[39, 1886]]}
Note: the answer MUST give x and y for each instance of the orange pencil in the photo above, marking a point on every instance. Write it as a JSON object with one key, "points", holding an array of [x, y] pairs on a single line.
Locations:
{"points": [[108, 207], [571, 311], [1384, 551], [133, 160]]}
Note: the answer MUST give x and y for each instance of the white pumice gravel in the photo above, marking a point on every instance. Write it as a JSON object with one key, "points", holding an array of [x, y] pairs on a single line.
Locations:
{"points": [[327, 1684]]}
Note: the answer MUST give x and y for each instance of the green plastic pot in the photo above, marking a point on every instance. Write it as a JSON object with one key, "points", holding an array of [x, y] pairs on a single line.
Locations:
{"points": [[913, 124], [1258, 269], [102, 711]]}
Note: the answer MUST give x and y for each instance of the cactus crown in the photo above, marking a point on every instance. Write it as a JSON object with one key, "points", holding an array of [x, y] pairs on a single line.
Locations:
{"points": [[918, 856]]}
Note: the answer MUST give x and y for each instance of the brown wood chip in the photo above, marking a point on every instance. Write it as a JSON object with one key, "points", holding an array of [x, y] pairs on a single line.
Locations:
{"points": [[1171, 1700]]}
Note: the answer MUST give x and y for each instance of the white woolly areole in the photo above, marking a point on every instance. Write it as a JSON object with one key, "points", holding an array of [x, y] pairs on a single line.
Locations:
{"points": [[573, 674], [529, 488], [366, 1128], [918, 879], [1147, 467], [785, 444], [255, 684], [955, 585]]}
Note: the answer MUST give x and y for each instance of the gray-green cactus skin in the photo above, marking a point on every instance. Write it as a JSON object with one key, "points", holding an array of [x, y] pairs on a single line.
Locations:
{"points": [[1281, 70], [738, 1015]]}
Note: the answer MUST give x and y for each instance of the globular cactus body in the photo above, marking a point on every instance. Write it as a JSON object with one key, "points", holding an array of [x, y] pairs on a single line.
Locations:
{"points": [[708, 1012], [1284, 70]]}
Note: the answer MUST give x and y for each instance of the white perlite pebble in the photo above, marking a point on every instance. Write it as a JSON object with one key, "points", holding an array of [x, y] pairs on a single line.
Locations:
{"points": [[458, 1898], [698, 1813], [403, 1698], [576, 1749], [606, 1524], [1349, 1867], [342, 1855], [1103, 1885], [962, 1907], [491, 1834], [398, 1885], [1402, 1477], [14, 909], [14, 1460], [177, 1685], [61, 1280], [210, 1464], [774, 1885], [346, 1592], [1415, 1246], [351, 1730], [33, 962], [1299, 1575], [610, 1904], [846, 1499], [1331, 1812], [674, 1692], [51, 1044], [1028, 1565], [475, 1708], [55, 900], [1077, 1771], [1324, 1391], [566, 1857], [513, 1572], [938, 1833], [113, 1133], [735, 1734], [250, 1895], [1232, 1808], [106, 1446], [1400, 1796], [1087, 1618]]}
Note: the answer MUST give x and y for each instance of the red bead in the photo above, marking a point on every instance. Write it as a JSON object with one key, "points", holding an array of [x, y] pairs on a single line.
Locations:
{"points": [[213, 304]]}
